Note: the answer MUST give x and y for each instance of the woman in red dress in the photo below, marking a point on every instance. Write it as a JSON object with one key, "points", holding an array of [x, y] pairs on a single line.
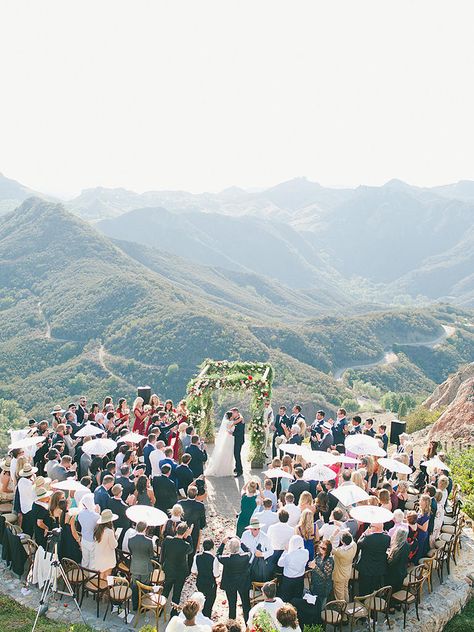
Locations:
{"points": [[122, 412], [141, 416], [107, 402]]}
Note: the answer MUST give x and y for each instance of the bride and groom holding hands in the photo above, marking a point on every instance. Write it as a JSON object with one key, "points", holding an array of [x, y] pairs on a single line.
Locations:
{"points": [[228, 446]]}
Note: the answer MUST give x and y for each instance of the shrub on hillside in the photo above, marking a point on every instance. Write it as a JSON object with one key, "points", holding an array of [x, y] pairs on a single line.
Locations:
{"points": [[351, 405], [462, 471], [421, 417]]}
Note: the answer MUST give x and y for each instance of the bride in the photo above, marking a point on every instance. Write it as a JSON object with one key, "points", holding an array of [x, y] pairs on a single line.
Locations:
{"points": [[221, 462]]}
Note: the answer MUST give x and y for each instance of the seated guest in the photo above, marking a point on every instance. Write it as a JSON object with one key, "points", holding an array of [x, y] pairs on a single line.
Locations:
{"points": [[189, 624], [293, 563], [63, 470], [271, 603], [287, 619], [322, 568], [295, 436], [397, 561], [201, 618], [125, 481]]}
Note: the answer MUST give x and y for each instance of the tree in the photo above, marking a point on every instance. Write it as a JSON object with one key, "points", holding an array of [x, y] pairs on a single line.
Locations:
{"points": [[351, 405], [402, 409]]}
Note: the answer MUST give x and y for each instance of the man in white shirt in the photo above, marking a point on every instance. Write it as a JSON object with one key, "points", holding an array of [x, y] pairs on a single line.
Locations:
{"points": [[270, 604], [200, 618], [334, 528], [155, 457], [254, 537], [27, 496], [294, 512], [265, 514], [279, 535]]}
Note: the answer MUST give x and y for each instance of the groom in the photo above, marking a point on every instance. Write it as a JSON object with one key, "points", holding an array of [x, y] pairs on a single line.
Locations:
{"points": [[239, 438]]}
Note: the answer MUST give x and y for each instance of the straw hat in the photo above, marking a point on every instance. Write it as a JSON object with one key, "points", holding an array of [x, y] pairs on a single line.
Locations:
{"points": [[57, 409], [28, 470], [5, 464], [42, 494], [41, 481], [107, 516], [254, 524]]}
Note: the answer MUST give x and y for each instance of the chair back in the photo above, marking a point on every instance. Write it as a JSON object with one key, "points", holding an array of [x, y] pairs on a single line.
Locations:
{"points": [[380, 600], [119, 589], [157, 574]]}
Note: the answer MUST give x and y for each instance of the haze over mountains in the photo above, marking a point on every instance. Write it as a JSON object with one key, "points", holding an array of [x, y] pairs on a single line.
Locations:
{"points": [[391, 244]]}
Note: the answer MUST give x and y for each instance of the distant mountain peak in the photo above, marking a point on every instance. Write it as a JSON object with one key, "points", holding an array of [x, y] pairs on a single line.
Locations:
{"points": [[396, 183]]}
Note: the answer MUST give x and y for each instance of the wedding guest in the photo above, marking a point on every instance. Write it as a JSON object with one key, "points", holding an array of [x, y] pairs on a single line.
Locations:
{"points": [[293, 562], [322, 569], [271, 603], [235, 575], [280, 535], [308, 530], [174, 555], [293, 510], [198, 454], [207, 569], [248, 504], [287, 618], [344, 556], [142, 552], [397, 561], [190, 611], [105, 544], [164, 489]]}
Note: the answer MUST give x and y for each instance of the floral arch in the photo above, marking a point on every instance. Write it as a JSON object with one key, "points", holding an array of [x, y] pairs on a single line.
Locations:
{"points": [[234, 376]]}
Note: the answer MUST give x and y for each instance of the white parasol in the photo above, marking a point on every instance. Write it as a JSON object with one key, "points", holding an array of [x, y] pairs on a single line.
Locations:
{"points": [[349, 460], [131, 437], [317, 456], [277, 472], [142, 513], [70, 485], [393, 465], [349, 494], [437, 463], [292, 448], [89, 430], [99, 446], [26, 443], [371, 514], [319, 472], [363, 445]]}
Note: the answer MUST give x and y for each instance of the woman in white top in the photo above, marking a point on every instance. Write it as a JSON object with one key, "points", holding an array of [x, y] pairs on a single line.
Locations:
{"points": [[293, 563], [105, 544], [188, 624]]}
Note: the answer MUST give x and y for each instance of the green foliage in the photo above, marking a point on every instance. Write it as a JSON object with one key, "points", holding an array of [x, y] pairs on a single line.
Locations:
{"points": [[402, 410], [464, 621], [351, 405], [313, 628], [421, 417], [462, 471], [263, 622], [11, 418], [392, 401], [366, 389], [17, 618]]}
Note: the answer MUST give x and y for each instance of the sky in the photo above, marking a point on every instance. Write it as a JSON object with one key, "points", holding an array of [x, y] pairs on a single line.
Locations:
{"points": [[201, 95]]}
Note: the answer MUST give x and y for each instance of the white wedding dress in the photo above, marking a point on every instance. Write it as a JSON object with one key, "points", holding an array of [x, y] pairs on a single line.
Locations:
{"points": [[221, 462]]}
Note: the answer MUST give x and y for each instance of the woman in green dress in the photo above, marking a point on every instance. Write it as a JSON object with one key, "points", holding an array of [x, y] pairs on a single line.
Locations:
{"points": [[248, 504]]}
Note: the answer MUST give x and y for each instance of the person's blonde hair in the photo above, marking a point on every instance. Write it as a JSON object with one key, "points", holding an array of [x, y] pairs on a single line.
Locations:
{"points": [[425, 504], [403, 485], [176, 510], [305, 499], [373, 500], [384, 497], [252, 487], [358, 479], [443, 482], [306, 524], [138, 401]]}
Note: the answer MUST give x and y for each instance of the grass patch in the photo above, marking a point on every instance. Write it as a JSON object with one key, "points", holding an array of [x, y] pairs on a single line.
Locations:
{"points": [[464, 621]]}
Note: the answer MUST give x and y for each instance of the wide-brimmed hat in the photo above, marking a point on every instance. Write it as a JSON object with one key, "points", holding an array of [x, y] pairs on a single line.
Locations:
{"points": [[254, 524], [5, 464], [41, 481], [327, 425], [28, 470], [42, 493], [107, 516], [57, 409]]}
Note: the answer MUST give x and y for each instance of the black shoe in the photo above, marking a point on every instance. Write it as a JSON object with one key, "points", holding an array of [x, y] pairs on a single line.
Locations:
{"points": [[238, 474]]}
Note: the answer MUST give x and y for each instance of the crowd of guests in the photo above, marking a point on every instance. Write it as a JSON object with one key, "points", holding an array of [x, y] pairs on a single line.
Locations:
{"points": [[288, 528]]}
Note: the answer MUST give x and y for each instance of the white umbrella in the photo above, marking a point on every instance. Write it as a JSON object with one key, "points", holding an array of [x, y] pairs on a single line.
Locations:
{"points": [[317, 456], [131, 437], [26, 443], [349, 494], [371, 514], [292, 448], [363, 445], [343, 458], [99, 446], [319, 472], [393, 465], [142, 513], [89, 430], [277, 472], [437, 463], [70, 485]]}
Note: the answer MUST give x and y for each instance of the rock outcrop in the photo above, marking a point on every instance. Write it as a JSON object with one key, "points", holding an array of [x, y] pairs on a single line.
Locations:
{"points": [[445, 393], [457, 421]]}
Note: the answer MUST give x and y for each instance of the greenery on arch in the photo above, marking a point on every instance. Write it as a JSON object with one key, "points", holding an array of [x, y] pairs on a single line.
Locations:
{"points": [[234, 376]]}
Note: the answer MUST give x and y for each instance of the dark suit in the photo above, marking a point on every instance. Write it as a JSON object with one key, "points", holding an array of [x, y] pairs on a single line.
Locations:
{"points": [[297, 488], [236, 579], [174, 558], [184, 477], [198, 458], [118, 507], [239, 440], [372, 564], [165, 492], [141, 549], [205, 580], [338, 430], [327, 440], [146, 457], [80, 414], [195, 515], [102, 497], [314, 430], [280, 422], [165, 430], [127, 485]]}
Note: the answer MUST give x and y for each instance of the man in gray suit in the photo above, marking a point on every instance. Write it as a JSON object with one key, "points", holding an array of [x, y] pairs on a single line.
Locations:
{"points": [[141, 549]]}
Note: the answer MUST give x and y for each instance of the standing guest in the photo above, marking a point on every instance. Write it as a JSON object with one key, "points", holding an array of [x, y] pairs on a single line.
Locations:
{"points": [[322, 569], [26, 497], [280, 428], [280, 535], [105, 544], [194, 516], [6, 484], [343, 556], [168, 460], [257, 542], [207, 570], [308, 530], [397, 561], [287, 619], [188, 623], [198, 456], [94, 410], [293, 510], [147, 450], [142, 552], [85, 460], [143, 491], [42, 449], [52, 460], [268, 420], [57, 414], [184, 474], [383, 436], [326, 439], [164, 489], [431, 492], [101, 494], [122, 413], [70, 541], [265, 514], [174, 555], [296, 415], [299, 485], [118, 507], [369, 427], [423, 521], [235, 575], [339, 427], [356, 427], [156, 456], [63, 470], [87, 518], [176, 516], [82, 414], [248, 504], [124, 480], [108, 401], [372, 565], [269, 493], [315, 429], [293, 563], [43, 521], [295, 435]]}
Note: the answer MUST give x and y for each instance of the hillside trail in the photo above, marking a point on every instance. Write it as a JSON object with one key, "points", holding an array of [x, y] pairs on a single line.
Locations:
{"points": [[101, 355], [390, 357]]}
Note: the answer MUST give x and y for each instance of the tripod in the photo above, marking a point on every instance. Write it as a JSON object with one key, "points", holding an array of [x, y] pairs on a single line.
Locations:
{"points": [[55, 571]]}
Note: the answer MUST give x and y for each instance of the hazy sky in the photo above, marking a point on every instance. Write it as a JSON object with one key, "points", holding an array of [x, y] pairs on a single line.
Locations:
{"points": [[200, 95]]}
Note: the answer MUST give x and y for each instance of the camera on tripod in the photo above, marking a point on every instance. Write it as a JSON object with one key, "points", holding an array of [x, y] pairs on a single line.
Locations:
{"points": [[53, 537]]}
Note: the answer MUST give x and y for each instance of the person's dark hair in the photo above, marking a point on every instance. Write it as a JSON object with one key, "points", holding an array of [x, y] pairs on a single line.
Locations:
{"points": [[369, 421], [195, 439], [95, 408], [342, 411], [283, 515], [267, 503], [431, 490], [287, 617], [269, 590], [52, 454], [166, 468], [189, 430], [282, 408], [208, 544], [141, 526], [190, 609], [383, 427], [338, 514], [99, 530], [321, 412], [357, 419], [346, 474], [125, 470], [233, 626], [128, 455], [107, 401], [86, 481], [110, 415], [151, 437], [328, 549], [346, 539], [62, 505], [141, 484], [298, 472], [298, 407], [121, 402], [96, 465], [123, 448], [181, 528], [331, 483], [322, 502], [185, 458], [110, 466]]}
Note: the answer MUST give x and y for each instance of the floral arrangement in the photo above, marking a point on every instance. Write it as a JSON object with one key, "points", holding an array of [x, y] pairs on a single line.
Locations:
{"points": [[263, 622], [234, 376]]}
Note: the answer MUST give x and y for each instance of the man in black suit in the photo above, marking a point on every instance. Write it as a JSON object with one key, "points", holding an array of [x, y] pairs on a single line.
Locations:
{"points": [[147, 450], [198, 456], [356, 427], [235, 575], [165, 428], [239, 440], [206, 567], [296, 414], [174, 558], [118, 507], [299, 485], [372, 564], [315, 429], [82, 414], [194, 516], [164, 489], [183, 473], [282, 423], [142, 551], [124, 480], [339, 427]]}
